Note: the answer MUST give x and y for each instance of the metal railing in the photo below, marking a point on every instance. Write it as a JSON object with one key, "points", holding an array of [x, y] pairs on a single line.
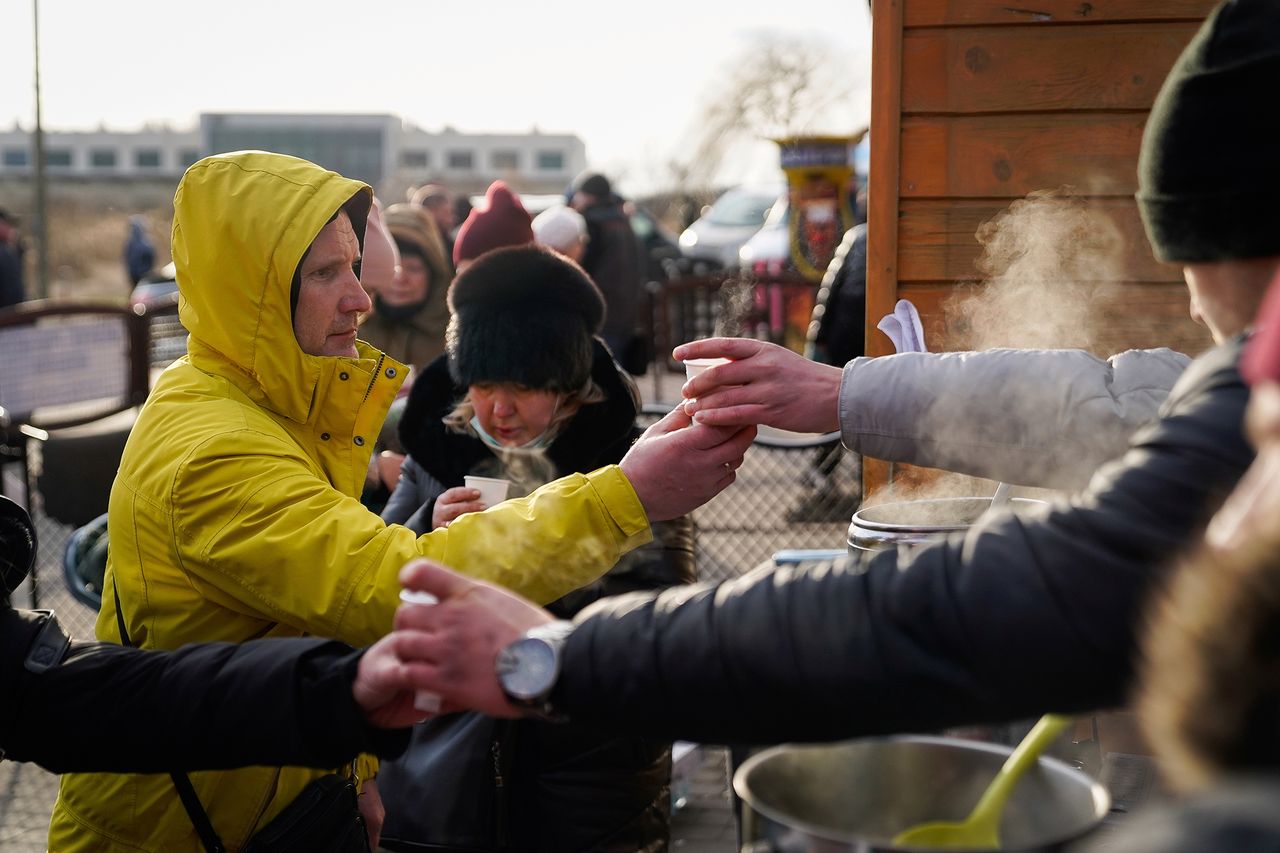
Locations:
{"points": [[689, 308]]}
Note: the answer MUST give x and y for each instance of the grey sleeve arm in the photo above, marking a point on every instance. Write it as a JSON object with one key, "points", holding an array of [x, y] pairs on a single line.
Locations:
{"points": [[1045, 418]]}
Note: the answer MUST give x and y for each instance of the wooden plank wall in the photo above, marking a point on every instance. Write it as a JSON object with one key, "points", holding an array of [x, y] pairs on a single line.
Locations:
{"points": [[976, 104]]}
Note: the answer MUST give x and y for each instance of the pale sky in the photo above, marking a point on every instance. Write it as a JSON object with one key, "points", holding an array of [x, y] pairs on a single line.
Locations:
{"points": [[628, 79]]}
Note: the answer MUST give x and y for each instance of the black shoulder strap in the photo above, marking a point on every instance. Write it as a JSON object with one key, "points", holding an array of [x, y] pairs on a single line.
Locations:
{"points": [[186, 793]]}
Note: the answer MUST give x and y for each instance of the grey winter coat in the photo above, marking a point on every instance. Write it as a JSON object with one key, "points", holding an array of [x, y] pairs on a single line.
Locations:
{"points": [[1046, 418]]}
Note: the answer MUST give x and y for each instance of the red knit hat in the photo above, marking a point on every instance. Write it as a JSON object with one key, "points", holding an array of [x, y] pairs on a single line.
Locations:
{"points": [[1261, 361], [502, 221]]}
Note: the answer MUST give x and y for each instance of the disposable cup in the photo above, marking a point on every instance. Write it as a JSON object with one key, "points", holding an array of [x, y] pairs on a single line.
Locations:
{"points": [[425, 701], [492, 490], [694, 366]]}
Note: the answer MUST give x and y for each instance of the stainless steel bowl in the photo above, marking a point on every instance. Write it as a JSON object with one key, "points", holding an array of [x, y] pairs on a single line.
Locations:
{"points": [[857, 795], [895, 523]]}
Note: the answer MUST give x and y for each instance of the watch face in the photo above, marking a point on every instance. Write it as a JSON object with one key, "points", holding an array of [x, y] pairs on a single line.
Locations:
{"points": [[527, 668]]}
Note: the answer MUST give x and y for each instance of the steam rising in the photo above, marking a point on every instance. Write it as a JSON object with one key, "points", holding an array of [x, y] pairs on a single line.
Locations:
{"points": [[946, 484], [1048, 261], [526, 470], [737, 297], [1048, 267]]}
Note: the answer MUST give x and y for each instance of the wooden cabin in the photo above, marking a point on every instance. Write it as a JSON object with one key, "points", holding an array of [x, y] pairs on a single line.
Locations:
{"points": [[978, 103]]}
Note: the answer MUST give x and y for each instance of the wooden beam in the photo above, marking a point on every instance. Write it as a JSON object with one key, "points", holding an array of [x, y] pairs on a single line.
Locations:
{"points": [[996, 69], [1011, 155], [938, 240], [935, 13], [882, 189]]}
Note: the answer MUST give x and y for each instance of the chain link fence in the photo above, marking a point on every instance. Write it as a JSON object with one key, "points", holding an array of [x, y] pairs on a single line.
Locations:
{"points": [[792, 492]]}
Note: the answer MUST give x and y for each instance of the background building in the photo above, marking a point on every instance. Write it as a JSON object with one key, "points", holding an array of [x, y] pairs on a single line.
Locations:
{"points": [[379, 149]]}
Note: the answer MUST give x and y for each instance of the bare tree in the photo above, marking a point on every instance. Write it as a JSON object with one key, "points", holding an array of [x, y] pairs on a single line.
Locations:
{"points": [[776, 87]]}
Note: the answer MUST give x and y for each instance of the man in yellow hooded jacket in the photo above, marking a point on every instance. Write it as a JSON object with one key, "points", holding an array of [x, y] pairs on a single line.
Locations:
{"points": [[235, 513]]}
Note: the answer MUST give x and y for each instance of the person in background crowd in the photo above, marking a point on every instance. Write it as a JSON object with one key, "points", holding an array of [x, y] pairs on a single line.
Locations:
{"points": [[306, 702], [1016, 616], [613, 261], [139, 252], [12, 290], [1210, 675], [526, 394], [501, 221], [461, 210], [836, 336], [435, 200], [381, 273], [235, 511], [410, 311], [379, 258], [563, 229]]}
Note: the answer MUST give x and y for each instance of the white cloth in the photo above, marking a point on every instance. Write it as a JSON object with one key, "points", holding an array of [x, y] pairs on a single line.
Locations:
{"points": [[904, 328]]}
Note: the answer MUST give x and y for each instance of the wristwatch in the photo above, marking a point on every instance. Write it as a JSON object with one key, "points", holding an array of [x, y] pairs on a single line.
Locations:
{"points": [[528, 667]]}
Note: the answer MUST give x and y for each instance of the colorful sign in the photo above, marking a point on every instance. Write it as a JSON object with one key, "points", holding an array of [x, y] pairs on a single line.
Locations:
{"points": [[818, 170]]}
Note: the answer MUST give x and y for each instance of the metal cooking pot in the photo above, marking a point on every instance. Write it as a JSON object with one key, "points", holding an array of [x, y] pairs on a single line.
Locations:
{"points": [[914, 522], [857, 795]]}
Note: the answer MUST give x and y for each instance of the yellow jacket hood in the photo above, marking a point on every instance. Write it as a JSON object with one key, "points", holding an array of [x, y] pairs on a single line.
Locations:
{"points": [[241, 225]]}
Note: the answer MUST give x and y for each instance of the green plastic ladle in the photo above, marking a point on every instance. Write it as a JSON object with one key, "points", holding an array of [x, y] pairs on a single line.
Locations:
{"points": [[981, 829]]}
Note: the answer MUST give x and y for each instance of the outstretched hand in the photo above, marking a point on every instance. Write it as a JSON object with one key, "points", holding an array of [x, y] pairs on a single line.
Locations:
{"points": [[763, 383], [389, 673], [463, 634], [677, 465]]}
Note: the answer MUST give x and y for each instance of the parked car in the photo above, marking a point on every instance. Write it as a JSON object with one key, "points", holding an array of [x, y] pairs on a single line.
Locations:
{"points": [[152, 294], [768, 251], [158, 297], [728, 223], [659, 245]]}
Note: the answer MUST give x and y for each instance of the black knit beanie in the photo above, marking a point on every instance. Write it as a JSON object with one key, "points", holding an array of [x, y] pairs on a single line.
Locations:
{"points": [[525, 315], [1209, 174]]}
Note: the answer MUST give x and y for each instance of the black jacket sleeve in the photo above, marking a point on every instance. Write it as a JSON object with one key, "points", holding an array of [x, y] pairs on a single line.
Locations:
{"points": [[208, 706], [1012, 618]]}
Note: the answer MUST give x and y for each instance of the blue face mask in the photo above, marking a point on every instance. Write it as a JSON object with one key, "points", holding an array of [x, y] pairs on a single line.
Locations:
{"points": [[536, 444]]}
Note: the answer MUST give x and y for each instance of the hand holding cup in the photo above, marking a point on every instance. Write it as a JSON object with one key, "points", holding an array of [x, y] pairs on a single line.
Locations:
{"points": [[424, 700], [493, 491]]}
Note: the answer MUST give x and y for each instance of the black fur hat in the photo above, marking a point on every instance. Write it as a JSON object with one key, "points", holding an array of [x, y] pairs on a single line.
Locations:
{"points": [[526, 315]]}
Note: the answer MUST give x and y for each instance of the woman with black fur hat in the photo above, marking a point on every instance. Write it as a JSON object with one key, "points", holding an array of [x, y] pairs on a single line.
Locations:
{"points": [[526, 392]]}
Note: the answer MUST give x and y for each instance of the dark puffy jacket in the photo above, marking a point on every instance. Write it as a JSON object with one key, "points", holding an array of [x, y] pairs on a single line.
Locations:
{"points": [[528, 785], [107, 708], [1012, 618], [838, 331], [612, 259]]}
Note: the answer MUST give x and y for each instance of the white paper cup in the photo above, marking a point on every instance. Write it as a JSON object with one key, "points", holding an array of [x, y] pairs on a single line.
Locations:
{"points": [[424, 700], [492, 491], [694, 366], [413, 596]]}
